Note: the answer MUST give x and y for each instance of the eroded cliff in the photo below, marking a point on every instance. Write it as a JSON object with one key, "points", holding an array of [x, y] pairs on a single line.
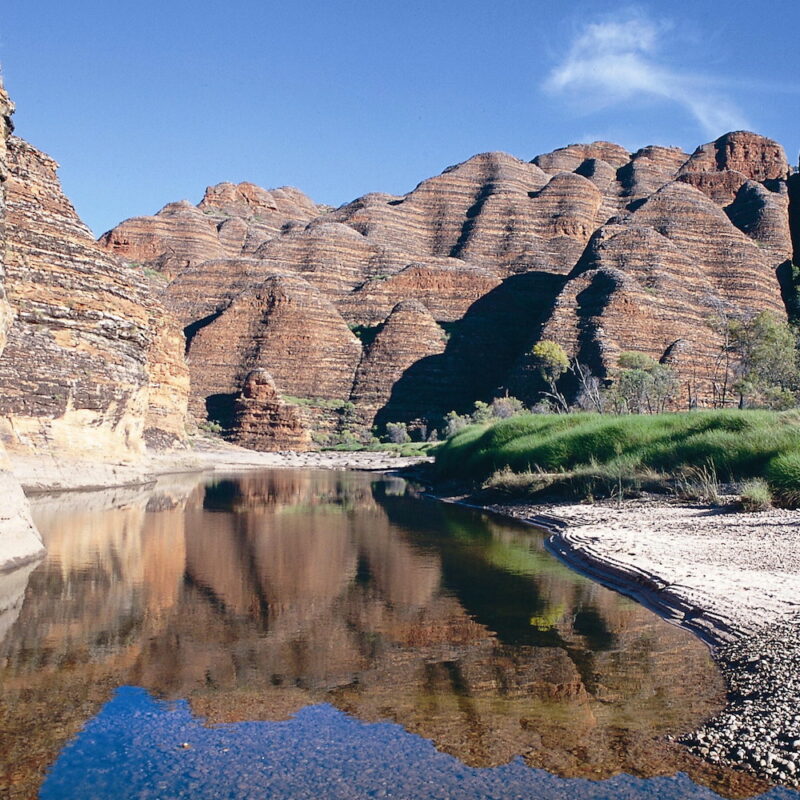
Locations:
{"points": [[601, 249], [93, 369], [19, 539]]}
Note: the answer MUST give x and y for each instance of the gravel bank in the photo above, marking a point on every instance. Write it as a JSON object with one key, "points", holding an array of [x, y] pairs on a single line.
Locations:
{"points": [[734, 579], [53, 474]]}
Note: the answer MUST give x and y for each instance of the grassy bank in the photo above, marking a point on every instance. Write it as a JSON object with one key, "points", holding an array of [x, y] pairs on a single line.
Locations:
{"points": [[598, 453]]}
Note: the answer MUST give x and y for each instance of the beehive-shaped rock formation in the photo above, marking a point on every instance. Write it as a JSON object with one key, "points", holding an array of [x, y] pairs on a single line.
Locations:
{"points": [[409, 335], [282, 325], [601, 249]]}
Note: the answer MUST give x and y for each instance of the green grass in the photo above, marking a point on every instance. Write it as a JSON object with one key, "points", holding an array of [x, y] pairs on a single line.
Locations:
{"points": [[755, 495], [315, 402], [735, 445]]}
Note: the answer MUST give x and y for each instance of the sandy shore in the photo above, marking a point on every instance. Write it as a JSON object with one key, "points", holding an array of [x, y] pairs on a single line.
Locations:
{"points": [[734, 579], [49, 474], [722, 573]]}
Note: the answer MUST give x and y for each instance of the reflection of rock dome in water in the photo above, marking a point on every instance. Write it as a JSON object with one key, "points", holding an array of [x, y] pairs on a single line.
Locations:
{"points": [[302, 562], [301, 587]]}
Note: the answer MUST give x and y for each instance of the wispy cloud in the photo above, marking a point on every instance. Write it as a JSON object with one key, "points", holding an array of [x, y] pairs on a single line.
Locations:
{"points": [[622, 60]]}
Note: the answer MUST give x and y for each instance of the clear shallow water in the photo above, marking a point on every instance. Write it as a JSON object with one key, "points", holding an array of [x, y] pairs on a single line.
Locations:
{"points": [[320, 752], [329, 635]]}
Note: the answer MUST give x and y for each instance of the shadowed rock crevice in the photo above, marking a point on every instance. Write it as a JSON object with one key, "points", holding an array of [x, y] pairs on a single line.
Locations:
{"points": [[472, 213], [479, 355], [190, 331], [793, 185]]}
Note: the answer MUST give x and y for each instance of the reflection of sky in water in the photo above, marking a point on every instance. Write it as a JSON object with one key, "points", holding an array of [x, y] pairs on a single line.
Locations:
{"points": [[132, 749]]}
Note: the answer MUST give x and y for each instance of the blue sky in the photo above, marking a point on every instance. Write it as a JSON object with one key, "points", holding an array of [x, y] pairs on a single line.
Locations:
{"points": [[148, 102]]}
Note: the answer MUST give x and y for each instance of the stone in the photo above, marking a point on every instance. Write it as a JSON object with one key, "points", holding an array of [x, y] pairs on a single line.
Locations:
{"points": [[263, 421], [653, 279]]}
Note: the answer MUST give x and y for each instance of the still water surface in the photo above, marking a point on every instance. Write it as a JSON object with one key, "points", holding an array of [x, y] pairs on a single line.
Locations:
{"points": [[331, 635]]}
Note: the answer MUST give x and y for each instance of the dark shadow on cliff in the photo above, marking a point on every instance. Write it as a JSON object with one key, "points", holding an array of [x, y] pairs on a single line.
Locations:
{"points": [[482, 348], [220, 409], [191, 330]]}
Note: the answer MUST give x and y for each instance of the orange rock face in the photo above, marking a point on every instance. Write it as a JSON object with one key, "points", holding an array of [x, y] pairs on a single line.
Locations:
{"points": [[756, 157], [598, 248], [282, 325], [262, 421], [229, 220], [409, 335], [94, 363]]}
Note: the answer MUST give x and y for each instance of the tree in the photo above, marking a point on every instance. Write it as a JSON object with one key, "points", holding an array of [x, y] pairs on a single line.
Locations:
{"points": [[643, 385], [590, 391], [551, 363], [721, 377], [482, 412], [766, 371], [397, 432]]}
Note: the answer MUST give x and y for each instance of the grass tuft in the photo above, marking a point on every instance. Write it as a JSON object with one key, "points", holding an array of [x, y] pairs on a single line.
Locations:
{"points": [[755, 495], [783, 477]]}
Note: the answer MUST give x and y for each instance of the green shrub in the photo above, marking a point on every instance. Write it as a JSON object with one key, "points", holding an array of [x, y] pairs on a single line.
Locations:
{"points": [[505, 407], [397, 433], [783, 476], [517, 484], [755, 495]]}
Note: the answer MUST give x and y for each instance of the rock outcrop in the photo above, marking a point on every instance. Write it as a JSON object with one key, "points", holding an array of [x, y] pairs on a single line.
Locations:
{"points": [[263, 421], [93, 371], [600, 249], [409, 335], [19, 540], [755, 157], [231, 219], [89, 333], [653, 277], [281, 324]]}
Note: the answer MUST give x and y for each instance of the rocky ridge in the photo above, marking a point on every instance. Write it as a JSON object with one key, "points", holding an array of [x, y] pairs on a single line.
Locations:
{"points": [[19, 539], [601, 249], [93, 363]]}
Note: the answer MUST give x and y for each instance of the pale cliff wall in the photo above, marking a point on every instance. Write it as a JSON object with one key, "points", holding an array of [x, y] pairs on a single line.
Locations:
{"points": [[19, 539]]}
